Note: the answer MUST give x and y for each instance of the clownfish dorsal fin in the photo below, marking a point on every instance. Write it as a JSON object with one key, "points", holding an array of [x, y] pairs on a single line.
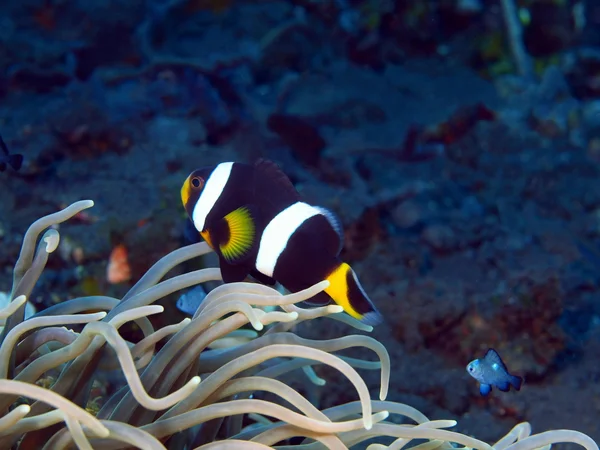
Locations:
{"points": [[234, 236], [270, 169], [335, 223]]}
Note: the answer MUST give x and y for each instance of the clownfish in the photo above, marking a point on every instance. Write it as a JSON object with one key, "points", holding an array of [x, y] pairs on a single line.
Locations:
{"points": [[253, 218]]}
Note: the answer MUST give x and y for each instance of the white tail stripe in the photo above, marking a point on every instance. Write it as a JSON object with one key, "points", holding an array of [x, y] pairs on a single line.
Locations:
{"points": [[278, 232], [210, 194]]}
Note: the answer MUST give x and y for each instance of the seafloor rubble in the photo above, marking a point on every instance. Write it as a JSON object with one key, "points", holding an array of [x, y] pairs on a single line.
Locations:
{"points": [[469, 196]]}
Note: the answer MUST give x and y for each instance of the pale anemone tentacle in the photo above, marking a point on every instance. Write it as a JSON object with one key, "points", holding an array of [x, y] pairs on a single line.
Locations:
{"points": [[95, 302], [192, 351], [77, 434], [233, 378], [81, 342], [193, 334], [150, 341], [12, 307], [13, 417], [33, 423], [400, 443], [153, 276], [150, 376], [519, 432], [225, 409], [23, 285], [273, 351], [546, 438], [143, 351], [27, 249], [121, 432], [258, 383], [39, 338], [260, 299], [313, 377], [13, 336], [329, 346], [112, 337], [231, 444], [272, 436], [67, 407], [219, 330], [242, 288]]}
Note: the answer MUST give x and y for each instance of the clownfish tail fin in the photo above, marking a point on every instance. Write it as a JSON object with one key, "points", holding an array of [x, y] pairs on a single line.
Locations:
{"points": [[345, 289], [372, 318]]}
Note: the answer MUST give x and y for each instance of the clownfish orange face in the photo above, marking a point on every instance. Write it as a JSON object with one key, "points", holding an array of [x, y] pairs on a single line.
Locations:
{"points": [[192, 188]]}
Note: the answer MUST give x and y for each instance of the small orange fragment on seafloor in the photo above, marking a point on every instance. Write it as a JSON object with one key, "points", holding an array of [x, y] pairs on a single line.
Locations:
{"points": [[118, 270]]}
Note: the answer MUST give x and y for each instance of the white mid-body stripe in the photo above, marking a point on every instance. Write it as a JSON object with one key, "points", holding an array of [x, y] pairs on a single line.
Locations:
{"points": [[210, 194], [278, 232]]}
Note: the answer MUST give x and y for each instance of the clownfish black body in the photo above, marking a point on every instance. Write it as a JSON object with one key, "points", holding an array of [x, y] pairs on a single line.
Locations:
{"points": [[253, 218]]}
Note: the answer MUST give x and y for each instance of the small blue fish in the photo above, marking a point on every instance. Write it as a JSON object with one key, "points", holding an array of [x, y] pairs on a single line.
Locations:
{"points": [[14, 160], [188, 303], [491, 371]]}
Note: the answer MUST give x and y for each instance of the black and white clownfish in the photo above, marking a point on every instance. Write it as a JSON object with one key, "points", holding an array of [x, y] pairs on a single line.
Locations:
{"points": [[253, 218]]}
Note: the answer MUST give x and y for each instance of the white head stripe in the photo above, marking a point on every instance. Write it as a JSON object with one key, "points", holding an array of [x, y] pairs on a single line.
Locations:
{"points": [[210, 194], [277, 233]]}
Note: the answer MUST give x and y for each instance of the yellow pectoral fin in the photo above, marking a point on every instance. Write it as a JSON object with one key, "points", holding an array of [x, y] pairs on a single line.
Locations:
{"points": [[238, 230], [338, 289]]}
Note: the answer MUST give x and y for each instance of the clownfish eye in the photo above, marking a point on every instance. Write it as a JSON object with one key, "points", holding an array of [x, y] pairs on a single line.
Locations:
{"points": [[197, 182]]}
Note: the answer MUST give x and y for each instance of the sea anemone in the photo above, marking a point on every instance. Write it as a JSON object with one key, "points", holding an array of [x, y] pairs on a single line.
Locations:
{"points": [[212, 384]]}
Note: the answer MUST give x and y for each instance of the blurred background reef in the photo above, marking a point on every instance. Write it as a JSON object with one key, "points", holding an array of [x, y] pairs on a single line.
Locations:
{"points": [[467, 179]]}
